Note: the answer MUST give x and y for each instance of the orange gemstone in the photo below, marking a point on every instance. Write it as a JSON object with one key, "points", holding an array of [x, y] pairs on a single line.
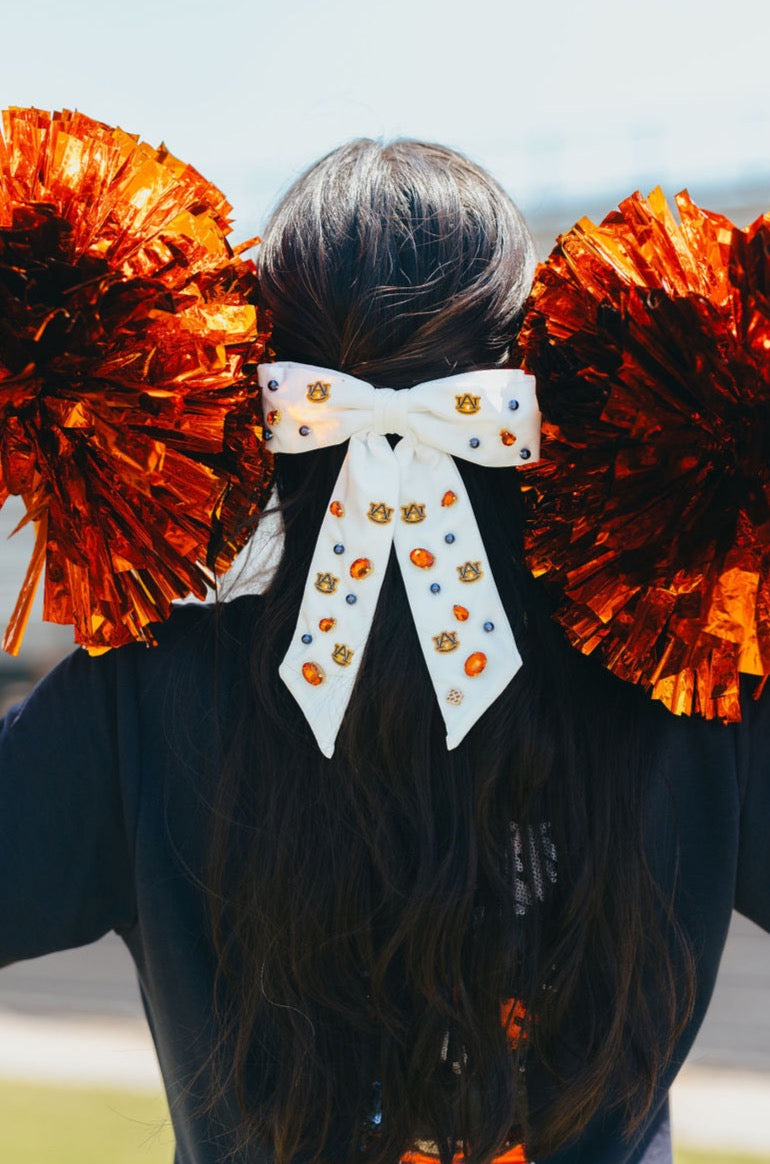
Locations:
{"points": [[461, 614], [313, 674], [274, 416], [326, 624], [449, 498], [507, 437], [422, 558], [475, 663], [337, 508], [360, 568]]}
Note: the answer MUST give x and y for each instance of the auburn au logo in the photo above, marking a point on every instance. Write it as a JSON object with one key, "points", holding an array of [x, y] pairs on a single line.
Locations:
{"points": [[446, 641], [470, 571], [326, 583], [413, 512], [467, 403], [319, 391], [342, 655], [379, 512]]}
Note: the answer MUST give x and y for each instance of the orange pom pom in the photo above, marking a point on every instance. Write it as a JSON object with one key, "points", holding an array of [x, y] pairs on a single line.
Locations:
{"points": [[129, 407], [650, 511]]}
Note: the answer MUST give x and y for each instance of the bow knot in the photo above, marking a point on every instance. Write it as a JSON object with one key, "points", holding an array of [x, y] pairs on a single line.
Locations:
{"points": [[410, 500], [391, 411]]}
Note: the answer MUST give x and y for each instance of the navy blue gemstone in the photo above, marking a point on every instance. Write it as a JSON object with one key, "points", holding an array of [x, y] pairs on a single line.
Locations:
{"points": [[474, 442], [489, 626], [268, 435], [513, 405], [449, 538], [272, 385], [307, 639], [434, 588], [338, 549], [350, 599], [303, 430], [525, 454]]}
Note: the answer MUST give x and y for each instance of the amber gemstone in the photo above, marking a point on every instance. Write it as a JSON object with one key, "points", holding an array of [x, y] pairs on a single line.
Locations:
{"points": [[475, 663], [326, 624], [461, 614], [337, 508], [507, 437], [360, 568], [422, 558], [273, 416], [449, 498], [313, 674]]}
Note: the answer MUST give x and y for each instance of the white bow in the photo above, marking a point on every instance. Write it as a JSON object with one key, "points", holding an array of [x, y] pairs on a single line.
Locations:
{"points": [[411, 497]]}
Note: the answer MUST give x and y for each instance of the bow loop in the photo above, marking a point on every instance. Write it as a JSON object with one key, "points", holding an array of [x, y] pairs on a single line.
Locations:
{"points": [[410, 501]]}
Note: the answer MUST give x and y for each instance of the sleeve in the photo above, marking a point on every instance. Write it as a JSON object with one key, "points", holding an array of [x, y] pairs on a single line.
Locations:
{"points": [[752, 889], [66, 851]]}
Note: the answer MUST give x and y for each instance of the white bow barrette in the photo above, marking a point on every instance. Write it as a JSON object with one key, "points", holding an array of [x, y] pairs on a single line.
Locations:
{"points": [[411, 497]]}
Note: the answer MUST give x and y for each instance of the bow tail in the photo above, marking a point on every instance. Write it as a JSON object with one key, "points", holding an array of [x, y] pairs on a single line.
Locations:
{"points": [[342, 587], [466, 639]]}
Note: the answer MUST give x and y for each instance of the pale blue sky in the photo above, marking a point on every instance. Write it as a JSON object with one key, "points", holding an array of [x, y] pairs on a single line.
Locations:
{"points": [[562, 101]]}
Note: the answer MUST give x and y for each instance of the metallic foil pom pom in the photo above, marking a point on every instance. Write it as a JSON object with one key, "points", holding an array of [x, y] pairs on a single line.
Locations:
{"points": [[130, 419], [648, 517]]}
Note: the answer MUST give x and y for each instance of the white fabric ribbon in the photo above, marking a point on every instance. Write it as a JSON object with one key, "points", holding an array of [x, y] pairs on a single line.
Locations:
{"points": [[411, 497]]}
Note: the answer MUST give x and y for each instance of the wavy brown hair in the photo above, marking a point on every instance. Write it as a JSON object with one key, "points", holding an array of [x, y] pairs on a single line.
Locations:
{"points": [[373, 912]]}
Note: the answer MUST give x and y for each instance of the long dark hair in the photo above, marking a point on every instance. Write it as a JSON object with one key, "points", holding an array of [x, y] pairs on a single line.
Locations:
{"points": [[374, 914]]}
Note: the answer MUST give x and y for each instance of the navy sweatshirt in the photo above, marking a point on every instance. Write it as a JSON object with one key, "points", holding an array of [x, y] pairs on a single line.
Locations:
{"points": [[103, 826]]}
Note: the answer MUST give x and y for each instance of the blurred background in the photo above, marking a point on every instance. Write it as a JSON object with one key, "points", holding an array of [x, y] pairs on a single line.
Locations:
{"points": [[571, 107]]}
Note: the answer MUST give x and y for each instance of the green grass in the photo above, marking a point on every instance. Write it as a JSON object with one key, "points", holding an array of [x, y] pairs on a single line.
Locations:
{"points": [[72, 1125]]}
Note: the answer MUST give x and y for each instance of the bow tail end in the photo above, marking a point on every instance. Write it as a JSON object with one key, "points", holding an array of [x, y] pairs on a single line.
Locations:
{"points": [[460, 718], [324, 716]]}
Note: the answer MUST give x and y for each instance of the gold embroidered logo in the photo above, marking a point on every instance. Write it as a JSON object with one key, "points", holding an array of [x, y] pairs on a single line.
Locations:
{"points": [[412, 513], [447, 641], [454, 696], [379, 512], [326, 583], [467, 403], [342, 655], [319, 391], [470, 571]]}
